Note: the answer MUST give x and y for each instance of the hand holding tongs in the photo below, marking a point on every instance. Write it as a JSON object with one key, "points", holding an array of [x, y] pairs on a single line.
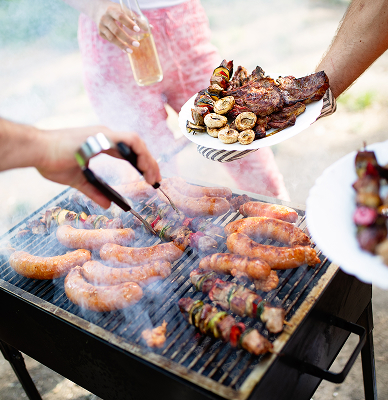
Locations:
{"points": [[93, 146]]}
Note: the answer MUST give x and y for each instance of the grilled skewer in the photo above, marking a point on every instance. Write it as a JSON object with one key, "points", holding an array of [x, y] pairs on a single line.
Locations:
{"points": [[210, 321], [170, 226], [238, 299], [369, 216]]}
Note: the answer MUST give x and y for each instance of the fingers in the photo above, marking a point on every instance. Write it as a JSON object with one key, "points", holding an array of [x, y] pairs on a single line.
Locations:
{"points": [[110, 30], [145, 162], [116, 27]]}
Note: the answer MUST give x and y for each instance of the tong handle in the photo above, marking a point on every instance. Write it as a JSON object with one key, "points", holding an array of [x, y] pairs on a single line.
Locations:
{"points": [[106, 190], [131, 157]]}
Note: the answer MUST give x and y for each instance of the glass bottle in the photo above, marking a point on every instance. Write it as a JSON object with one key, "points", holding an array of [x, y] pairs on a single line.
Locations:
{"points": [[144, 60]]}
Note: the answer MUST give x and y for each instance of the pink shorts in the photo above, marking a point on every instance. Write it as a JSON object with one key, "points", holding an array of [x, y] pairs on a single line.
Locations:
{"points": [[187, 57]]}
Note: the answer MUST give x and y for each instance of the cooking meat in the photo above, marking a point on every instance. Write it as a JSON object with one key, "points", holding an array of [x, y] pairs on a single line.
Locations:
{"points": [[93, 239], [47, 267], [260, 209], [276, 257], [99, 274], [194, 206], [237, 202], [269, 283], [199, 191], [125, 256], [238, 299], [226, 263], [250, 340], [155, 337], [100, 298], [258, 228]]}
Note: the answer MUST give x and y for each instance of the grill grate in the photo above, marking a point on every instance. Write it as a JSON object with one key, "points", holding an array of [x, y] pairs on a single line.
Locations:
{"points": [[184, 345]]}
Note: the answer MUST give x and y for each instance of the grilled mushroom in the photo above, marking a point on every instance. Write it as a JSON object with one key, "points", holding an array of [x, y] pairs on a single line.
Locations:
{"points": [[214, 120], [245, 120], [228, 136], [222, 106], [246, 137], [213, 132], [194, 129]]}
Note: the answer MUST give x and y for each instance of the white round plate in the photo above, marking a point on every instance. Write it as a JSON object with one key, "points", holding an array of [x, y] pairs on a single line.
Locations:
{"points": [[303, 121], [329, 215]]}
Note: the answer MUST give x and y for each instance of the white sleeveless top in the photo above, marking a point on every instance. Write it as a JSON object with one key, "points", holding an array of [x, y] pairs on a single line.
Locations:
{"points": [[148, 4]]}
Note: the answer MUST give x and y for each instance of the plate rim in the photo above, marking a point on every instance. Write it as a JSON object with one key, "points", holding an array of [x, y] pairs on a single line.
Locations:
{"points": [[375, 271]]}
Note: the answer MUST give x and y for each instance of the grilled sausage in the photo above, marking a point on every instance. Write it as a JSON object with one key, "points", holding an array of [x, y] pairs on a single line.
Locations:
{"points": [[234, 264], [199, 191], [100, 298], [93, 239], [194, 206], [259, 209], [276, 257], [136, 191], [121, 256], [47, 267], [99, 274], [258, 228]]}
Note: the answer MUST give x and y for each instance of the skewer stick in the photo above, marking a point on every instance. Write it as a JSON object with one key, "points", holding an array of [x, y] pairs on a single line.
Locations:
{"points": [[223, 237], [287, 323]]}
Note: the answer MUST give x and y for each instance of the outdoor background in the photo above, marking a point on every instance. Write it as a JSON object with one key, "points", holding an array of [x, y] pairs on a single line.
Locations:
{"points": [[41, 84]]}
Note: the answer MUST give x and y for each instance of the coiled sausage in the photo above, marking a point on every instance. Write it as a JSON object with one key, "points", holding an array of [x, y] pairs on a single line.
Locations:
{"points": [[99, 274], [276, 257], [258, 228], [100, 298], [234, 264]]}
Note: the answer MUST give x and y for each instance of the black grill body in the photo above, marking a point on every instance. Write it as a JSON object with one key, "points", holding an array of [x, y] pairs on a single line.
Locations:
{"points": [[104, 353]]}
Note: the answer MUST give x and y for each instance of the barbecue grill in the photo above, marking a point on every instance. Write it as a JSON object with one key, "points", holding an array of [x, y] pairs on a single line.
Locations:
{"points": [[104, 352]]}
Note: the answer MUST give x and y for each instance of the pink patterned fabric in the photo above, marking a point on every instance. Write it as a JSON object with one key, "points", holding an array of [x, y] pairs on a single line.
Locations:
{"points": [[182, 37]]}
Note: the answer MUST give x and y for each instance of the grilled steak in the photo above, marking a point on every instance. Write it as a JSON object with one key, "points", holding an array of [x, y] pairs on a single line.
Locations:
{"points": [[260, 95], [287, 116], [306, 89]]}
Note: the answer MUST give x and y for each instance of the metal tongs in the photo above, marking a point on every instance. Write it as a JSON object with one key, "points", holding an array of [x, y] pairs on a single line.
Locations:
{"points": [[93, 146]]}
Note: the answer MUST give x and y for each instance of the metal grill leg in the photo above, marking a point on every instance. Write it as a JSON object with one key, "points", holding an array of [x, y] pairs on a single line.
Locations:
{"points": [[15, 358], [367, 355]]}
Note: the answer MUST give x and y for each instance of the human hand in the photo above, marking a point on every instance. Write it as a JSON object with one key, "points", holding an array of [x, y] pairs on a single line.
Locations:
{"points": [[58, 161], [114, 25]]}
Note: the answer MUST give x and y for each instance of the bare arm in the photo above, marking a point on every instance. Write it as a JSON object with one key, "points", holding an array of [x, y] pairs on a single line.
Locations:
{"points": [[52, 153], [361, 38]]}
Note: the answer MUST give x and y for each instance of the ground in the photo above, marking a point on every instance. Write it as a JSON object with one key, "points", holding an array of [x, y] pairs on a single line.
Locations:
{"points": [[43, 86]]}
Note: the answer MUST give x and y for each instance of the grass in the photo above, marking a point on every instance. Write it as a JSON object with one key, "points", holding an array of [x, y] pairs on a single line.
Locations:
{"points": [[355, 103]]}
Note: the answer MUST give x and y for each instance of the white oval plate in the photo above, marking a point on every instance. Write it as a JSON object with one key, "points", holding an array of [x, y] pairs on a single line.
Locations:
{"points": [[303, 121], [329, 215]]}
